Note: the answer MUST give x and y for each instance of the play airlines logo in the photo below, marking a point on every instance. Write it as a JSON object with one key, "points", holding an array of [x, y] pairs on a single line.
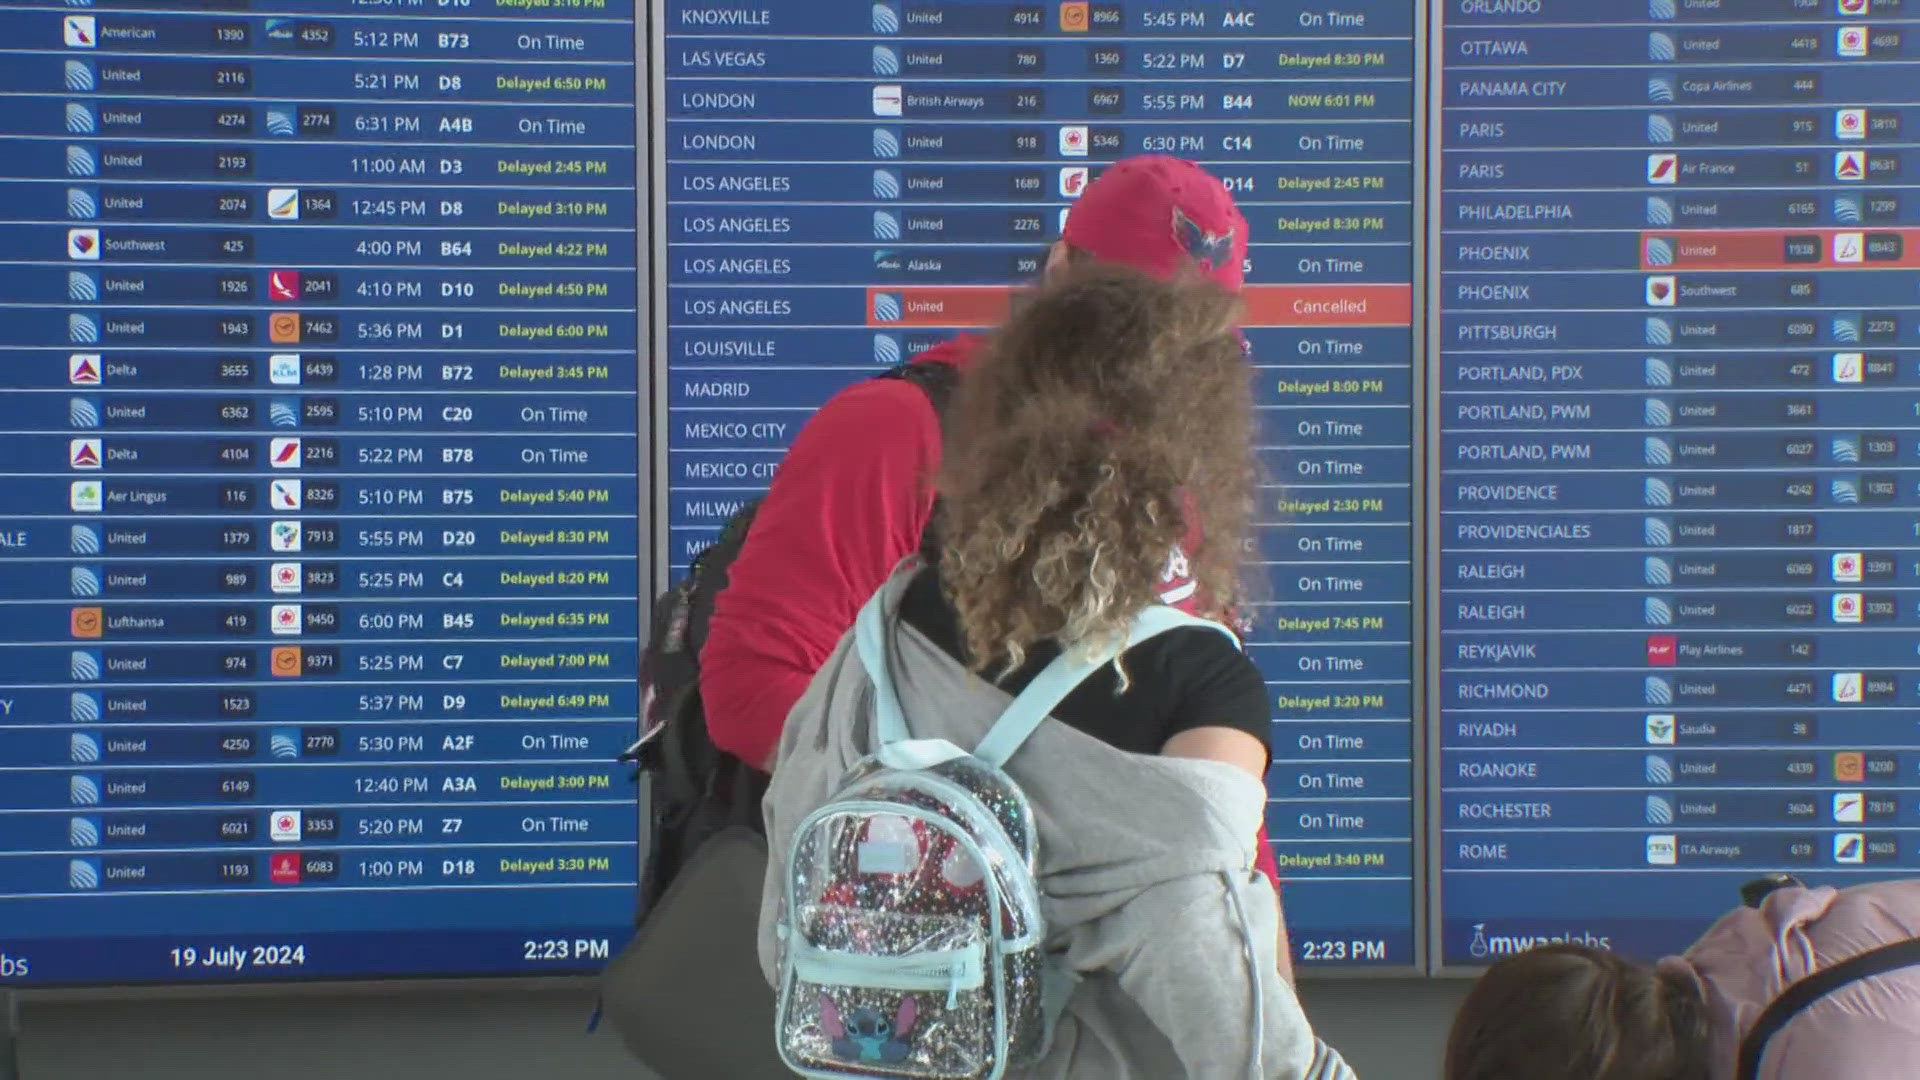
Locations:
{"points": [[1663, 650]]}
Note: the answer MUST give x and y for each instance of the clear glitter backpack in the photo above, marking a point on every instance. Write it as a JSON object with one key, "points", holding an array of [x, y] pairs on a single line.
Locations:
{"points": [[910, 931]]}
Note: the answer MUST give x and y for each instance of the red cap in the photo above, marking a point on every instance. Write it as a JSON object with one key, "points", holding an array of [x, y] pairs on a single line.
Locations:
{"points": [[1161, 214]]}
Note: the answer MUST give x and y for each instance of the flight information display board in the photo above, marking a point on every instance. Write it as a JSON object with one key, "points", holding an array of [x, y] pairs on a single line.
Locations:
{"points": [[320, 538], [1675, 509], [848, 184]]}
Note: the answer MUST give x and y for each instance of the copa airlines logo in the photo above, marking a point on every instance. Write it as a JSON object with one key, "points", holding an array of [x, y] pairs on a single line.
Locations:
{"points": [[1176, 581], [1485, 945]]}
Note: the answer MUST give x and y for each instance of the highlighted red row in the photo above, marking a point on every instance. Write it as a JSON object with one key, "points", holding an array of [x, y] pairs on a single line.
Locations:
{"points": [[967, 306], [1779, 249]]}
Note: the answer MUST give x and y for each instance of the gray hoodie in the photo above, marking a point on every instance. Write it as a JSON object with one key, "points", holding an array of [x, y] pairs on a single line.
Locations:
{"points": [[1146, 876]]}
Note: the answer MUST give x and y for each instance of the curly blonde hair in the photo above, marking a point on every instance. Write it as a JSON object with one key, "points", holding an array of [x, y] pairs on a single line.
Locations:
{"points": [[1112, 414]]}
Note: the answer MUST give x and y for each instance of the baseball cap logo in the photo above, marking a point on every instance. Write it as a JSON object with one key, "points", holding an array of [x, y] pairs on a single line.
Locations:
{"points": [[1211, 250]]}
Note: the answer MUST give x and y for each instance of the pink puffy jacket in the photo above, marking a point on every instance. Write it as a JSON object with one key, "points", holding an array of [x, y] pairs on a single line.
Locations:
{"points": [[1867, 1030]]}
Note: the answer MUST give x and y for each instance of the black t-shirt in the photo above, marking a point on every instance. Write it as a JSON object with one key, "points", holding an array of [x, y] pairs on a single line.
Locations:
{"points": [[1183, 679]]}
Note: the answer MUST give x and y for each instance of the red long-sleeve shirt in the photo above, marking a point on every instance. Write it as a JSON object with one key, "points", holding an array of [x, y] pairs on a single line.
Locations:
{"points": [[848, 502]]}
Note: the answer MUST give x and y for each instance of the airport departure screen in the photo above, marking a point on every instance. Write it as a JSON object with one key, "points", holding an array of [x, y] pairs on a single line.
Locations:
{"points": [[320, 546], [1675, 509], [368, 366], [849, 184]]}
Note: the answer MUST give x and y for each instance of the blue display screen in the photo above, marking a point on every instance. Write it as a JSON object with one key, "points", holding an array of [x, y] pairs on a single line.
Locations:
{"points": [[321, 549], [1676, 460], [363, 363], [848, 184]]}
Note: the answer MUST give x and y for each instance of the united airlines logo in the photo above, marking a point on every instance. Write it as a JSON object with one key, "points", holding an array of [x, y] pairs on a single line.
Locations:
{"points": [[1208, 249]]}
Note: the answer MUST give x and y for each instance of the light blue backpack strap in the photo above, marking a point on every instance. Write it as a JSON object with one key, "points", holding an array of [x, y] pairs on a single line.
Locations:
{"points": [[1068, 671], [871, 632], [1057, 984]]}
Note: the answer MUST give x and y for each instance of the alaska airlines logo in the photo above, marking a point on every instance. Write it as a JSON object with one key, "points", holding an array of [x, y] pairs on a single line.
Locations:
{"points": [[1208, 249]]}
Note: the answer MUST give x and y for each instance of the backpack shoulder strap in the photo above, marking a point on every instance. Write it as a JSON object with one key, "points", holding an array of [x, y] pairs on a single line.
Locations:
{"points": [[1068, 671], [1804, 993], [935, 379], [870, 633]]}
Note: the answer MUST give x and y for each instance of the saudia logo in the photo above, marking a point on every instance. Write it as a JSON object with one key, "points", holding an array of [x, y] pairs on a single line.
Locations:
{"points": [[1484, 946]]}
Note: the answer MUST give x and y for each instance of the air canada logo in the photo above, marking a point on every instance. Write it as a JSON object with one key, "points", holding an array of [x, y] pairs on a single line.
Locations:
{"points": [[1208, 249]]}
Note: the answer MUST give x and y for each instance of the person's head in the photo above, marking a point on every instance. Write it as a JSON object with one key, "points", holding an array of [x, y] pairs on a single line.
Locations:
{"points": [[1574, 1011], [1159, 214], [1111, 413]]}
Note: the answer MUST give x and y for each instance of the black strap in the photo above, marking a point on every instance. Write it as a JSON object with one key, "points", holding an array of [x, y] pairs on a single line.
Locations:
{"points": [[1755, 892], [936, 380], [1797, 997], [933, 377]]}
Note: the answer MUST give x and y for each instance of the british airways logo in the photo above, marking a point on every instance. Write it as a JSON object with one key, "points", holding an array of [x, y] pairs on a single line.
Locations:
{"points": [[1208, 249]]}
